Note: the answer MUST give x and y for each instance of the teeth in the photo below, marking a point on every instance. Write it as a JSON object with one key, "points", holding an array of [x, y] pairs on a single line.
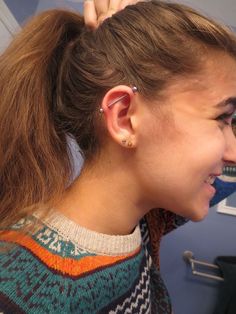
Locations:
{"points": [[210, 180]]}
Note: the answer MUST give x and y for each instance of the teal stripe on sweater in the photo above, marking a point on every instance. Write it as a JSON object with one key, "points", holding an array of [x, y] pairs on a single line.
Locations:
{"points": [[52, 241], [22, 274]]}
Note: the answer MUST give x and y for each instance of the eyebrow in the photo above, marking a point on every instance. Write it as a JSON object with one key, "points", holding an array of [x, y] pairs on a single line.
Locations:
{"points": [[227, 101]]}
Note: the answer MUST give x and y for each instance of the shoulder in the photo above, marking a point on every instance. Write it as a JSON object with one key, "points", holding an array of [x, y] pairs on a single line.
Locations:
{"points": [[49, 270]]}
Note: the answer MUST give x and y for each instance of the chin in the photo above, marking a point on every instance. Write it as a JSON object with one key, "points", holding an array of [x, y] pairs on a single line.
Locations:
{"points": [[196, 212], [198, 218], [199, 215]]}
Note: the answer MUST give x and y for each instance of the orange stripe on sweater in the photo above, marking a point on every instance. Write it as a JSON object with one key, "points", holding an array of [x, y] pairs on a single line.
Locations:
{"points": [[65, 265]]}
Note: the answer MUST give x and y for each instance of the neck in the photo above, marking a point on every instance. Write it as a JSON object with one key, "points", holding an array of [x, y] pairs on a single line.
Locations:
{"points": [[104, 201]]}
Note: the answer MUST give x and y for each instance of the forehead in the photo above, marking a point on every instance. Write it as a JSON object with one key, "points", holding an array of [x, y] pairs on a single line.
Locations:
{"points": [[212, 85]]}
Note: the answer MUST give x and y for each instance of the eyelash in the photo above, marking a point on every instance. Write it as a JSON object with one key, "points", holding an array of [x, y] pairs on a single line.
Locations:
{"points": [[225, 116]]}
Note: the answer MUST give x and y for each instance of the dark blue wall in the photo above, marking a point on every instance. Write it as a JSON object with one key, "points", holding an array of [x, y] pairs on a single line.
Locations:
{"points": [[212, 237]]}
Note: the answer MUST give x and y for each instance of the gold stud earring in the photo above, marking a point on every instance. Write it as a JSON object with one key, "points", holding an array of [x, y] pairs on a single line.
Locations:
{"points": [[130, 144]]}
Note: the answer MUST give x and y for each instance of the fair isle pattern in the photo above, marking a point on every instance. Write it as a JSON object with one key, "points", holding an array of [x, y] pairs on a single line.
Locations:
{"points": [[38, 277], [139, 300], [144, 232], [55, 243], [160, 300], [50, 272], [59, 228], [90, 240], [160, 222], [49, 285], [41, 292], [161, 303]]}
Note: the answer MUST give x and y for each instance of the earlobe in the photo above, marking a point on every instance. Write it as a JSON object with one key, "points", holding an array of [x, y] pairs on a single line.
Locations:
{"points": [[117, 108], [128, 143]]}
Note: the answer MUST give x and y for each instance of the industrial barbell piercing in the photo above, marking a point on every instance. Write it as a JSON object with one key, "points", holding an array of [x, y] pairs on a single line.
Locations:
{"points": [[134, 89]]}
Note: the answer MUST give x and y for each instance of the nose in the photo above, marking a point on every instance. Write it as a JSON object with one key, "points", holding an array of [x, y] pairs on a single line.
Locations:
{"points": [[230, 149]]}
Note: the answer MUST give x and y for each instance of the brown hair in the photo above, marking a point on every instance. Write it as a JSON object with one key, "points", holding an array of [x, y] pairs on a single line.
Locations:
{"points": [[55, 73]]}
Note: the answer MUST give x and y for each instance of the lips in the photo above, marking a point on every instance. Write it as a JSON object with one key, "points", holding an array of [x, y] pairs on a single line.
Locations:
{"points": [[211, 179]]}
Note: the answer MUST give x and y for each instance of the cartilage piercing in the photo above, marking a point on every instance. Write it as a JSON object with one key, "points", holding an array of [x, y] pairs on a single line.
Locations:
{"points": [[134, 89]]}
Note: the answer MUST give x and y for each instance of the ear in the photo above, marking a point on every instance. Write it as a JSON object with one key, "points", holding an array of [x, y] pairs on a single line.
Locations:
{"points": [[118, 107]]}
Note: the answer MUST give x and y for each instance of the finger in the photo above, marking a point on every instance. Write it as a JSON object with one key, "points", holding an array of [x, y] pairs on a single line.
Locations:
{"points": [[101, 6], [124, 3], [90, 14], [114, 6]]}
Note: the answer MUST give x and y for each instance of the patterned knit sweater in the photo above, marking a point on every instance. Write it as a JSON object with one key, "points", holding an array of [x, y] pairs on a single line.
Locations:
{"points": [[64, 268]]}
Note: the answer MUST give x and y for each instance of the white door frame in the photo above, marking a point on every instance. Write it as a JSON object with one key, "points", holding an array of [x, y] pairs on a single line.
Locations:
{"points": [[8, 19]]}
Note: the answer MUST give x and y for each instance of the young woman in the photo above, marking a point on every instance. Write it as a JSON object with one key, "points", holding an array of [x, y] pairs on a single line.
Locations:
{"points": [[149, 97]]}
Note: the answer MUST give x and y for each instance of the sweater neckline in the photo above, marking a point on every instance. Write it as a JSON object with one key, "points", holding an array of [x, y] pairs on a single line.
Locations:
{"points": [[90, 240]]}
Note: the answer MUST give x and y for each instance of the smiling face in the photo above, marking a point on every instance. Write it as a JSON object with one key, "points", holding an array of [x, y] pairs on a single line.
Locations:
{"points": [[189, 140]]}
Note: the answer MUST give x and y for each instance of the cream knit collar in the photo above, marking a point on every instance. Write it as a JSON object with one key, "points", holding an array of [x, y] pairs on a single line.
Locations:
{"points": [[92, 241]]}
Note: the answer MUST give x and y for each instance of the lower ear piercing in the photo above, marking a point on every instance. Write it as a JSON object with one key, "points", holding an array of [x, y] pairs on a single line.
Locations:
{"points": [[128, 143]]}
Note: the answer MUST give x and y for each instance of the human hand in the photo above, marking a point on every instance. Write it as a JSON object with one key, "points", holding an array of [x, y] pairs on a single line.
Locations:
{"points": [[96, 11]]}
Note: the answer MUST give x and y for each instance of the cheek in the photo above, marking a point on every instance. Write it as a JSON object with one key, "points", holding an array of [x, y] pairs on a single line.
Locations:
{"points": [[211, 144], [169, 154], [204, 141]]}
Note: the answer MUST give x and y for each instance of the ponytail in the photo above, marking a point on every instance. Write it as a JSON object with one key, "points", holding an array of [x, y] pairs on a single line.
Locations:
{"points": [[35, 163]]}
